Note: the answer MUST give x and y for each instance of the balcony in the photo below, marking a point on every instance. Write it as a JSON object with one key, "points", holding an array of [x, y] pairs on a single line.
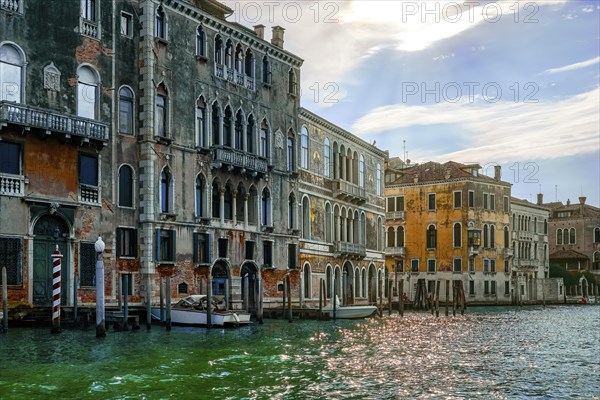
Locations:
{"points": [[12, 185], [394, 215], [395, 251], [232, 76], [32, 117], [506, 253], [13, 6], [89, 194], [350, 249], [347, 191], [473, 251], [89, 28], [524, 235], [247, 163]]}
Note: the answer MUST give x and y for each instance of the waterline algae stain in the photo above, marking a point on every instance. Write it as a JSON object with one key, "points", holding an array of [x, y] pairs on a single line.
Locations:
{"points": [[487, 353]]}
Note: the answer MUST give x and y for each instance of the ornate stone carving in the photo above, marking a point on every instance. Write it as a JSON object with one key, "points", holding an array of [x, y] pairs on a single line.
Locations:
{"points": [[279, 139], [51, 77]]}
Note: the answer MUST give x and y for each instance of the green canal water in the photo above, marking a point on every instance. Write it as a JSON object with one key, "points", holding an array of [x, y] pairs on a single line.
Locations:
{"points": [[489, 353]]}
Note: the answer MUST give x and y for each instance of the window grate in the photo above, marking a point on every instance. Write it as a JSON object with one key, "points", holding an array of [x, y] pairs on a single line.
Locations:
{"points": [[11, 254], [87, 264]]}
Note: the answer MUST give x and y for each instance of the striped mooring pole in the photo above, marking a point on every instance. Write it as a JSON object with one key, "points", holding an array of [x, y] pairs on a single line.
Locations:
{"points": [[56, 267]]}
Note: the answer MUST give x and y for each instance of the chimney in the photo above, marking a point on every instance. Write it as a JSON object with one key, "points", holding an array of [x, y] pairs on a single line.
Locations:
{"points": [[568, 202], [540, 198], [416, 178], [497, 172], [259, 30], [582, 200], [277, 38]]}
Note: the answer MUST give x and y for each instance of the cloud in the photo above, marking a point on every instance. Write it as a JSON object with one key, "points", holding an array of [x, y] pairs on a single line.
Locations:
{"points": [[573, 67], [500, 132]]}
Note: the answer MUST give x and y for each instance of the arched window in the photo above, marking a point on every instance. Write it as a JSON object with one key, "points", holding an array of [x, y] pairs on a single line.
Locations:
{"points": [[379, 234], [266, 71], [431, 237], [218, 50], [572, 236], [201, 139], [400, 236], [535, 225], [239, 59], [457, 235], [492, 237], [161, 24], [239, 132], [227, 126], [215, 124], [361, 171], [506, 237], [306, 218], [249, 67], [328, 281], [200, 42], [250, 134], [229, 54], [307, 281], [253, 205], [166, 191], [391, 237], [161, 113], [126, 111], [486, 237], [566, 236], [12, 62], [228, 201], [327, 225], [596, 235], [326, 159], [216, 200], [290, 152], [363, 281], [88, 85], [125, 186], [378, 189], [291, 211], [304, 151], [356, 282], [559, 237], [292, 85], [264, 139], [200, 197], [265, 207]]}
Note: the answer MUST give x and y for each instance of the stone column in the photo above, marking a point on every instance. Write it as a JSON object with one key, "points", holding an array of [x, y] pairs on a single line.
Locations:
{"points": [[246, 211], [222, 205], [234, 206]]}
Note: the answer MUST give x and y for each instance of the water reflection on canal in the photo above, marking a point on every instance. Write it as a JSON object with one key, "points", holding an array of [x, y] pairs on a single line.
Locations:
{"points": [[487, 353]]}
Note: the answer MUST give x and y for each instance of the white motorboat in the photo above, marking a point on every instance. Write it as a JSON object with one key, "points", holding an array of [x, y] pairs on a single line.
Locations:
{"points": [[191, 310], [350, 312]]}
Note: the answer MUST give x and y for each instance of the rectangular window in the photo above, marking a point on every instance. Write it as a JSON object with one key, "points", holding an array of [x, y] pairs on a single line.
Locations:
{"points": [[202, 247], [431, 266], [414, 265], [471, 265], [268, 254], [290, 154], [391, 204], [505, 204], [165, 246], [486, 288], [87, 264], [126, 24], [457, 265], [485, 201], [223, 243], [400, 203], [431, 202], [292, 259], [506, 288], [127, 291], [126, 242], [10, 158], [493, 202], [506, 267], [493, 287], [471, 288], [88, 9], [471, 199], [457, 199], [88, 170], [11, 256], [250, 246], [493, 266], [486, 265], [161, 116]]}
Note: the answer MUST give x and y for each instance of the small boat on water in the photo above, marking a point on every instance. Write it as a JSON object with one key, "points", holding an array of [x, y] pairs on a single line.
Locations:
{"points": [[350, 312], [192, 310]]}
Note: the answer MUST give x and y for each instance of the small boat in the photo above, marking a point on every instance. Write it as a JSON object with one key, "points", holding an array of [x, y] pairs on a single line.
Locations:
{"points": [[191, 310], [350, 312]]}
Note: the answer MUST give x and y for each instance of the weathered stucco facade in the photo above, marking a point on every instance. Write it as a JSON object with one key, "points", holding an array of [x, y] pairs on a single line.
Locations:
{"points": [[341, 213], [446, 222]]}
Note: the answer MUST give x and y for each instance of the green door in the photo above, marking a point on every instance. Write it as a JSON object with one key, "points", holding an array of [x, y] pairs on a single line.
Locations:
{"points": [[42, 272]]}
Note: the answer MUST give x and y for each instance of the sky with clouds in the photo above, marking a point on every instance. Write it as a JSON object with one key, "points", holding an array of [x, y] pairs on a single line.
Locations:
{"points": [[514, 83]]}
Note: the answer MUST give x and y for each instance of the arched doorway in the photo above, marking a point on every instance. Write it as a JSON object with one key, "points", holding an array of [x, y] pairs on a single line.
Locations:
{"points": [[337, 282], [348, 283], [372, 287], [220, 280], [49, 231], [249, 272]]}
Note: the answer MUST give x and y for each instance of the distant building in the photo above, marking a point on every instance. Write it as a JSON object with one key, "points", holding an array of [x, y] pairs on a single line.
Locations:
{"points": [[530, 263], [449, 222], [574, 235], [340, 188]]}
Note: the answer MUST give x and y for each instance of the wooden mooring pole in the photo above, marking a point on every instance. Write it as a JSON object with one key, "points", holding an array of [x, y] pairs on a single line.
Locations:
{"points": [[168, 300], [162, 300], [148, 303], [321, 299], [289, 285], [401, 294], [437, 298], [447, 295], [259, 313], [454, 298], [75, 282], [334, 298], [209, 302], [125, 291], [4, 301], [284, 300], [390, 290]]}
